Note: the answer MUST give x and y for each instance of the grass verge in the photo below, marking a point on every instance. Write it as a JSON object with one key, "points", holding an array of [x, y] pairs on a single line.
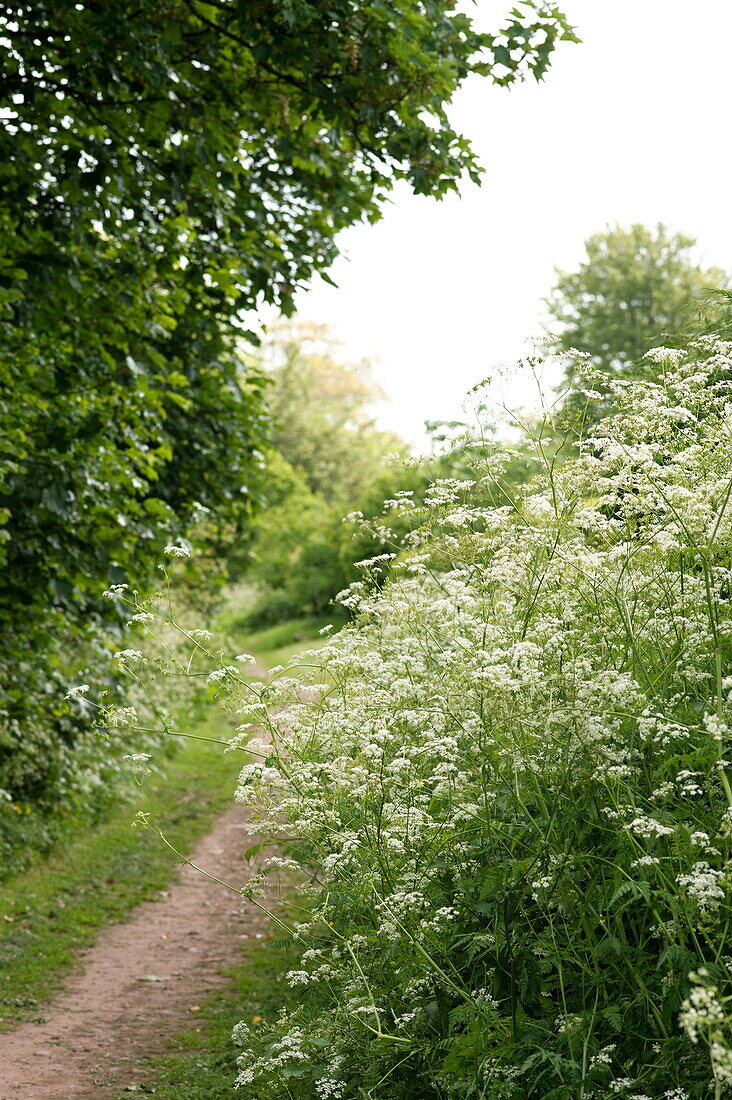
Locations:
{"points": [[274, 645]]}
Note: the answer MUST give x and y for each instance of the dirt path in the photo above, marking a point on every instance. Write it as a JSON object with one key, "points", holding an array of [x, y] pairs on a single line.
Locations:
{"points": [[138, 984]]}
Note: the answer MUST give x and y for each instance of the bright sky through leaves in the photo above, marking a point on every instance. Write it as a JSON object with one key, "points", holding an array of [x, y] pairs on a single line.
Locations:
{"points": [[629, 126]]}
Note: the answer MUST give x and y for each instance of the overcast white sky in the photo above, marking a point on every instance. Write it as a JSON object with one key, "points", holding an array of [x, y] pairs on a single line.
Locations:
{"points": [[630, 125]]}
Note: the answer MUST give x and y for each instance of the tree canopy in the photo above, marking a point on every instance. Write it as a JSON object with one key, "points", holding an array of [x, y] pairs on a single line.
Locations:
{"points": [[166, 167]]}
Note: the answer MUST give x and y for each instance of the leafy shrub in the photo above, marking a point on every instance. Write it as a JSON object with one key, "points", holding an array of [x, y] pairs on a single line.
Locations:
{"points": [[508, 784], [326, 459], [305, 551], [63, 762]]}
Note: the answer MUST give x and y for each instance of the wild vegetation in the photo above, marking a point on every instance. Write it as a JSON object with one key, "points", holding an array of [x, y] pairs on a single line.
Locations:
{"points": [[166, 168], [327, 459], [636, 289], [508, 790], [503, 785], [497, 791]]}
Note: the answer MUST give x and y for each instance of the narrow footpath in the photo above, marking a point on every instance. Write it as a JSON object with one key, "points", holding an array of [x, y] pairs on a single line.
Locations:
{"points": [[139, 984]]}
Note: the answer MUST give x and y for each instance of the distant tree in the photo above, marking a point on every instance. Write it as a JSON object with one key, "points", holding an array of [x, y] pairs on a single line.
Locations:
{"points": [[326, 459], [637, 288], [305, 547], [322, 410]]}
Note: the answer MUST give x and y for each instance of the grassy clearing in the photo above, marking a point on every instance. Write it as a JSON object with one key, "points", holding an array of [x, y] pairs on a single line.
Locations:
{"points": [[275, 645]]}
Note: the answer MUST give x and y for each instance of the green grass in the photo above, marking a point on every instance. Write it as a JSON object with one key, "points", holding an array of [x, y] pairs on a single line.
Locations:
{"points": [[275, 645]]}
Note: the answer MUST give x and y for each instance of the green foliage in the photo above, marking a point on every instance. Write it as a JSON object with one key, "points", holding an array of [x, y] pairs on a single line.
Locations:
{"points": [[306, 551], [510, 791], [526, 43], [328, 462], [325, 514], [636, 289], [56, 770], [164, 167], [321, 408], [269, 643]]}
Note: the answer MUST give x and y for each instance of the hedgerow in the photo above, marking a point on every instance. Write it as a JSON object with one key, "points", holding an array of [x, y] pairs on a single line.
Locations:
{"points": [[507, 784]]}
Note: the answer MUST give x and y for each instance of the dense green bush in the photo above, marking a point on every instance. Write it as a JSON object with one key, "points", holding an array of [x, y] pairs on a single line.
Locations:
{"points": [[306, 549], [509, 789], [101, 476]]}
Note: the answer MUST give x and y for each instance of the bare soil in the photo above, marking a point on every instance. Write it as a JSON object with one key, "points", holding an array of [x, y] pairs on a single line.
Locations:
{"points": [[139, 984]]}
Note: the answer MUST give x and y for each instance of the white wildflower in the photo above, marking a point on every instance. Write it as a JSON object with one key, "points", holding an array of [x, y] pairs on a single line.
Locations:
{"points": [[646, 861], [177, 551], [701, 1010], [648, 828], [703, 885], [119, 717], [327, 1088], [220, 674], [115, 591], [128, 656], [721, 1057], [77, 692]]}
